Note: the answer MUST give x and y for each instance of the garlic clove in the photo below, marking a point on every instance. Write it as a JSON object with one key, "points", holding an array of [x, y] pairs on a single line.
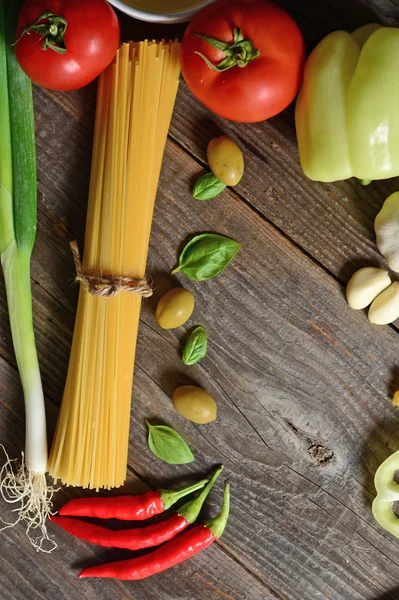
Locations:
{"points": [[365, 285], [386, 227], [385, 308]]}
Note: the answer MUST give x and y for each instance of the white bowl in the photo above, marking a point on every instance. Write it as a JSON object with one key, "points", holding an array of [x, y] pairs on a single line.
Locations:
{"points": [[166, 17]]}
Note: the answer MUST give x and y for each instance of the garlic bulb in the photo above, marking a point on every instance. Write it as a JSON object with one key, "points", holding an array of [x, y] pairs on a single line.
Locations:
{"points": [[385, 308], [386, 226]]}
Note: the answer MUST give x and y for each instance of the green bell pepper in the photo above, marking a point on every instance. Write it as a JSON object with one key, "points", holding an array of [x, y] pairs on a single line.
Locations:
{"points": [[347, 116], [387, 494]]}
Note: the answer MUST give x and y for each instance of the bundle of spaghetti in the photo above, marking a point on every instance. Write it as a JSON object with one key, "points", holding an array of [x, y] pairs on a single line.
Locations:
{"points": [[136, 95]]}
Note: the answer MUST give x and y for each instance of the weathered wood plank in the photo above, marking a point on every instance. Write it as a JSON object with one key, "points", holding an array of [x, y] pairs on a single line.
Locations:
{"points": [[289, 369], [302, 382], [332, 222], [27, 574], [286, 359]]}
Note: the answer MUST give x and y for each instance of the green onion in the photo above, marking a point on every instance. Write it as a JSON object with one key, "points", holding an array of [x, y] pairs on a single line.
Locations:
{"points": [[23, 484]]}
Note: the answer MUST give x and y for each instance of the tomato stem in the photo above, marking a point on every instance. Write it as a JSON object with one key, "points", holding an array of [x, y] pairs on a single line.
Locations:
{"points": [[52, 31], [237, 54]]}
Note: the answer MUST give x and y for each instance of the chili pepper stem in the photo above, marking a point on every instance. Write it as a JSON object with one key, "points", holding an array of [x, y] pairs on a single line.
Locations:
{"points": [[191, 509], [170, 497], [218, 524]]}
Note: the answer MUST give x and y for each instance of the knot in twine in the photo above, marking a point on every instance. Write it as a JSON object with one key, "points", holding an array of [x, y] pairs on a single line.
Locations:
{"points": [[101, 284]]}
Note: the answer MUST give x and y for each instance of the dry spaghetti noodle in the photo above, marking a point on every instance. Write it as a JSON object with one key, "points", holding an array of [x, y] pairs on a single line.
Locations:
{"points": [[135, 101]]}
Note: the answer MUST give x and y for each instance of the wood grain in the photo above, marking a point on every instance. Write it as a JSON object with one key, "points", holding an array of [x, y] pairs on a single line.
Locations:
{"points": [[303, 383]]}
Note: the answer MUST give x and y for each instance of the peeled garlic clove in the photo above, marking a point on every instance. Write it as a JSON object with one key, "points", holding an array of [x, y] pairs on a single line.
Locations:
{"points": [[385, 308], [386, 227], [365, 285]]}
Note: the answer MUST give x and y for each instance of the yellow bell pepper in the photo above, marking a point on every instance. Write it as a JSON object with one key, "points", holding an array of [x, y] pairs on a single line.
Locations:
{"points": [[387, 494], [347, 116]]}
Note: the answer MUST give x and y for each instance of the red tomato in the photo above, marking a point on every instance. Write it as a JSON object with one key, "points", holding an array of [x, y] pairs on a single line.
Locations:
{"points": [[266, 84], [91, 41]]}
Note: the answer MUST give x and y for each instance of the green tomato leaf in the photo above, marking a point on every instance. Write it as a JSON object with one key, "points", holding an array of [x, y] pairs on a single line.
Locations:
{"points": [[196, 346], [206, 256], [207, 186], [168, 445]]}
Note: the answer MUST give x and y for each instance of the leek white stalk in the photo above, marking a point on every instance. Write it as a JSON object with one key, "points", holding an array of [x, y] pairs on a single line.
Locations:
{"points": [[16, 270], [24, 484]]}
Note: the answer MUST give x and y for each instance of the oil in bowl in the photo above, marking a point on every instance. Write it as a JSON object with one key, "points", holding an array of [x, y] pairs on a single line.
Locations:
{"points": [[161, 11], [161, 6]]}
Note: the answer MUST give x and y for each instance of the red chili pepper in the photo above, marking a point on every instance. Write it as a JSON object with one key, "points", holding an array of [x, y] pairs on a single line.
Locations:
{"points": [[172, 553], [127, 508], [145, 537]]}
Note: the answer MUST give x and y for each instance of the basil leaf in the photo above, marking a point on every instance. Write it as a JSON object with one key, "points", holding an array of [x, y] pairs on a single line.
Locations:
{"points": [[196, 346], [206, 256], [207, 186], [168, 445]]}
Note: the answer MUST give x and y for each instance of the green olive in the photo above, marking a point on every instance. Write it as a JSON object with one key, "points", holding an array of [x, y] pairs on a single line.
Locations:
{"points": [[174, 308], [195, 404], [225, 160]]}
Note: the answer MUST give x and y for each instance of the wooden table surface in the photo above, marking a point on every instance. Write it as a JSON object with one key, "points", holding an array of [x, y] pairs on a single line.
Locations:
{"points": [[303, 383]]}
